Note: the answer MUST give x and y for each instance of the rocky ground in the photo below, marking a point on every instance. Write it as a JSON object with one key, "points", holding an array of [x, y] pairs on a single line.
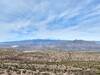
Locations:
{"points": [[49, 63], [43, 69]]}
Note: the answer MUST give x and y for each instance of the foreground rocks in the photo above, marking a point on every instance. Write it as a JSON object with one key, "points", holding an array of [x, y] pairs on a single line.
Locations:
{"points": [[43, 69], [49, 63]]}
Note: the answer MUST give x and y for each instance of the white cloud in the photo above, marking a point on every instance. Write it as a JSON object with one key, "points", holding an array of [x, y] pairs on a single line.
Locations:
{"points": [[22, 15]]}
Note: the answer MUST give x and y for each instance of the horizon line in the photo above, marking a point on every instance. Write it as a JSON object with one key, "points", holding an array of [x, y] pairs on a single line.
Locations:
{"points": [[48, 39]]}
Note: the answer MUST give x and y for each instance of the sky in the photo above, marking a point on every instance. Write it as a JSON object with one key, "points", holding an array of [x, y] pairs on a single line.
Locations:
{"points": [[49, 19]]}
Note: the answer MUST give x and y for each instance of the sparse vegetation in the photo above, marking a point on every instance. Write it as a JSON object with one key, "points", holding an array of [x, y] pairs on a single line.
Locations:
{"points": [[49, 63]]}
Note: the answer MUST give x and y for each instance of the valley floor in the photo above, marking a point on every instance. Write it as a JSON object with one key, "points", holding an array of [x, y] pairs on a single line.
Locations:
{"points": [[49, 63]]}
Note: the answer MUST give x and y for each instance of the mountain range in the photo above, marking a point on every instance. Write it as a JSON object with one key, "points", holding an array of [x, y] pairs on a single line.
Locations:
{"points": [[62, 45]]}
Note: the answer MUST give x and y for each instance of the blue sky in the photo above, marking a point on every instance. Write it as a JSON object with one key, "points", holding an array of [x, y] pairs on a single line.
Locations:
{"points": [[49, 19]]}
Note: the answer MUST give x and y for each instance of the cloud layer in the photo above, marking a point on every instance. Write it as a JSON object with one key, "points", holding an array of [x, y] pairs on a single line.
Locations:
{"points": [[49, 19]]}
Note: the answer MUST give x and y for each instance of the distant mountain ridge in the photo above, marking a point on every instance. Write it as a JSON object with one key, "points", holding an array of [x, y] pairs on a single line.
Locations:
{"points": [[40, 44]]}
